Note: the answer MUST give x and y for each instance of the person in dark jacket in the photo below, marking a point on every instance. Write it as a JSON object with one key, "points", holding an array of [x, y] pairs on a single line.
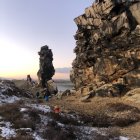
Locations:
{"points": [[37, 94], [47, 94]]}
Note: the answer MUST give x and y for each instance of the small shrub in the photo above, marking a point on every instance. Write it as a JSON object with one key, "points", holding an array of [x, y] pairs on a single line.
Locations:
{"points": [[10, 112], [58, 133], [24, 124], [29, 122], [100, 119], [22, 132], [122, 122], [113, 133], [34, 115], [65, 119], [52, 124], [21, 137], [119, 107], [130, 114]]}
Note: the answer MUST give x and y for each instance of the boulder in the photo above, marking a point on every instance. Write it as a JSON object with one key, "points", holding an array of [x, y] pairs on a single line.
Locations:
{"points": [[52, 87], [133, 95]]}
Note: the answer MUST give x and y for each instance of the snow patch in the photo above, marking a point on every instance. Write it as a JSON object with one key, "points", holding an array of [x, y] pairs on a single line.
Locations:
{"points": [[37, 137], [44, 119], [60, 124], [23, 109], [88, 130], [123, 138], [6, 99], [6, 131], [4, 86], [26, 129], [43, 108]]}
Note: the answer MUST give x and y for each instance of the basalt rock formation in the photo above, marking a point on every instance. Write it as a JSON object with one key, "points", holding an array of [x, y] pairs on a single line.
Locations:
{"points": [[107, 47], [46, 69]]}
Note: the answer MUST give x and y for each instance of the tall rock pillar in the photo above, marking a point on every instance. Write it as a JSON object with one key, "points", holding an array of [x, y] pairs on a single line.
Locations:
{"points": [[46, 68]]}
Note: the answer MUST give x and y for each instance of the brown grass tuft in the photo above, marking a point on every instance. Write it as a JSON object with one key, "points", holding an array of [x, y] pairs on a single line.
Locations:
{"points": [[21, 137]]}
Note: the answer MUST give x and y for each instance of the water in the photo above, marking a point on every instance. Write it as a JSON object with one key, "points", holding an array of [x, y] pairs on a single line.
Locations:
{"points": [[63, 85]]}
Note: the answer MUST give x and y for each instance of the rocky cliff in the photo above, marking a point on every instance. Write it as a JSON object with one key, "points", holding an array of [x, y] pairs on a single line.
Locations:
{"points": [[107, 47]]}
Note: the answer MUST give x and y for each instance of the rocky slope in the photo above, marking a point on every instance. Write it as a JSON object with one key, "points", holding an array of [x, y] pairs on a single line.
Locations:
{"points": [[9, 93], [33, 119], [107, 48], [29, 118]]}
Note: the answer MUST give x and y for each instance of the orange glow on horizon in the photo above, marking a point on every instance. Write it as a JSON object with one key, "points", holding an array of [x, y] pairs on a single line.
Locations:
{"points": [[19, 75], [17, 62]]}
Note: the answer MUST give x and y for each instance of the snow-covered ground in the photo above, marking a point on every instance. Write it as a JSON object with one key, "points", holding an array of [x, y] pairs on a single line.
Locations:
{"points": [[7, 99], [5, 88], [6, 130], [43, 108]]}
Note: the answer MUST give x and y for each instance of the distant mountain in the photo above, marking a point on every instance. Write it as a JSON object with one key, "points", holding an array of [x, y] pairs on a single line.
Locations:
{"points": [[63, 70]]}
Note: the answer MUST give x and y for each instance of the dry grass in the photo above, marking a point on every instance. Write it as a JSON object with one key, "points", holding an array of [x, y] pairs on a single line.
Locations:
{"points": [[113, 114], [125, 115], [32, 118], [121, 107], [100, 119], [117, 114], [11, 113], [20, 123], [112, 135], [101, 112]]}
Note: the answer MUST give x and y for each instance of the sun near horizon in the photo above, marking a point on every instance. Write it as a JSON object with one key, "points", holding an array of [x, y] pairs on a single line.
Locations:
{"points": [[17, 63], [26, 25]]}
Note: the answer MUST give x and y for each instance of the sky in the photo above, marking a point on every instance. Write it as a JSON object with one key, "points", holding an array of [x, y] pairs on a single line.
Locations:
{"points": [[26, 25]]}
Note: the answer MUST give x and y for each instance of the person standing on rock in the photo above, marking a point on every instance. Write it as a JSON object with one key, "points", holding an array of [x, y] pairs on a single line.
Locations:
{"points": [[29, 80]]}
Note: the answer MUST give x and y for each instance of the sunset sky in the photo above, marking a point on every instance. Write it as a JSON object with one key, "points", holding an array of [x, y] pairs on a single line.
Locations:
{"points": [[26, 25]]}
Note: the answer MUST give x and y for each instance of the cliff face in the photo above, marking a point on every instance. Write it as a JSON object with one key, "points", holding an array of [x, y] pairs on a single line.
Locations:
{"points": [[107, 45]]}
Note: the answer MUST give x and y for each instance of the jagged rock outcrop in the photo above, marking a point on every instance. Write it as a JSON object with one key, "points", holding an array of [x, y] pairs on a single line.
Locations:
{"points": [[107, 46], [46, 69], [10, 93]]}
